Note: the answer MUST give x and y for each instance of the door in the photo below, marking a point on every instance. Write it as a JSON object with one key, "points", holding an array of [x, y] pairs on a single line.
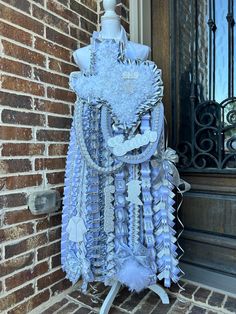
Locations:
{"points": [[193, 42]]}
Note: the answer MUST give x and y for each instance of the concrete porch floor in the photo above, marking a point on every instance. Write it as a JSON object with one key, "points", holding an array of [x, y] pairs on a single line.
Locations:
{"points": [[195, 299]]}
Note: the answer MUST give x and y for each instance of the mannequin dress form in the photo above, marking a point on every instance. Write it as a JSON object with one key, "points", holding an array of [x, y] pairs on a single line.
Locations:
{"points": [[112, 29]]}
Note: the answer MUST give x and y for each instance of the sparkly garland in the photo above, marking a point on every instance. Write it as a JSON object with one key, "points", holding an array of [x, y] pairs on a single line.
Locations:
{"points": [[69, 260], [121, 230], [163, 185], [91, 202], [84, 151], [148, 204], [73, 263]]}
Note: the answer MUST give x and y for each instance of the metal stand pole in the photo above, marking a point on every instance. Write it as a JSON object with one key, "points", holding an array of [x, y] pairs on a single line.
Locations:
{"points": [[115, 289]]}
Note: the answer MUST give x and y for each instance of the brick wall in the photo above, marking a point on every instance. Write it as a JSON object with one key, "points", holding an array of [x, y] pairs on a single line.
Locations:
{"points": [[123, 10], [37, 38]]}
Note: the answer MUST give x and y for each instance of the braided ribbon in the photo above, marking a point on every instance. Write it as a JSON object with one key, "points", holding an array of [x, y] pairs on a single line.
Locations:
{"points": [[170, 157]]}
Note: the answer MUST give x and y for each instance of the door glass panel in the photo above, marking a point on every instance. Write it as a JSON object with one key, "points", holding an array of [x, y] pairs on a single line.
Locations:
{"points": [[221, 47], [204, 103]]}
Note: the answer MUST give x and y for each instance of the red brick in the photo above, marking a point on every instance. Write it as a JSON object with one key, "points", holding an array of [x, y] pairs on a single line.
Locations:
{"points": [[32, 303], [49, 163], [14, 67], [16, 264], [24, 54], [56, 177], [22, 5], [71, 307], [50, 19], [25, 245], [26, 275], [80, 35], [61, 94], [63, 11], [16, 216], [52, 49], [20, 19], [50, 279], [52, 136], [121, 11], [87, 26], [41, 2], [92, 4], [15, 133], [83, 11], [61, 39], [56, 261], [60, 189], [52, 106], [230, 304], [20, 85], [16, 232], [2, 184], [61, 67], [19, 117], [13, 200], [126, 3], [125, 25], [15, 165], [57, 306], [22, 181], [58, 149], [65, 2], [42, 224], [16, 297], [55, 220], [51, 78], [23, 149], [16, 34], [60, 287], [59, 122], [49, 250], [54, 234], [16, 101]]}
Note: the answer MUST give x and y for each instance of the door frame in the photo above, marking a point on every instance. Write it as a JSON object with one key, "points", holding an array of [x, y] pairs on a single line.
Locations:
{"points": [[141, 32], [140, 21]]}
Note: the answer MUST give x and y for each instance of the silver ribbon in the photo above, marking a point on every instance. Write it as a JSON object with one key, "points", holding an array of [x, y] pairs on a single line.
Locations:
{"points": [[170, 156], [139, 253]]}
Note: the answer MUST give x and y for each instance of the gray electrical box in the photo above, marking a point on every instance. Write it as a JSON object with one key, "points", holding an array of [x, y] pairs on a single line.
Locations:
{"points": [[44, 202]]}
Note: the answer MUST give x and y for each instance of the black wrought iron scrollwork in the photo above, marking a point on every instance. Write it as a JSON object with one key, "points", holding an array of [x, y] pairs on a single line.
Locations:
{"points": [[213, 145], [205, 124]]}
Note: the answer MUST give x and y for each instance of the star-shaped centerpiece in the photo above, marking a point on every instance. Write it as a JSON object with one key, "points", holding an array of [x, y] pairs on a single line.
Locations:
{"points": [[127, 87]]}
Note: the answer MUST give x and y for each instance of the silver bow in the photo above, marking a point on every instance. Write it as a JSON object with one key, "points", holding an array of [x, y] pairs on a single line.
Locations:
{"points": [[170, 157], [139, 253]]}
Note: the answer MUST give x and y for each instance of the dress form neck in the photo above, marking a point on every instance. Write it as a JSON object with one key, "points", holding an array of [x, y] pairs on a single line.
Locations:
{"points": [[110, 21], [110, 29]]}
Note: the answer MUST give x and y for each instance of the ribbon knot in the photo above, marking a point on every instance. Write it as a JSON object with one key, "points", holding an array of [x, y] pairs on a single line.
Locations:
{"points": [[139, 253], [170, 155]]}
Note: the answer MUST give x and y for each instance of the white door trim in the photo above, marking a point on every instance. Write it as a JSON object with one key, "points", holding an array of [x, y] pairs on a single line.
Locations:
{"points": [[140, 21]]}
